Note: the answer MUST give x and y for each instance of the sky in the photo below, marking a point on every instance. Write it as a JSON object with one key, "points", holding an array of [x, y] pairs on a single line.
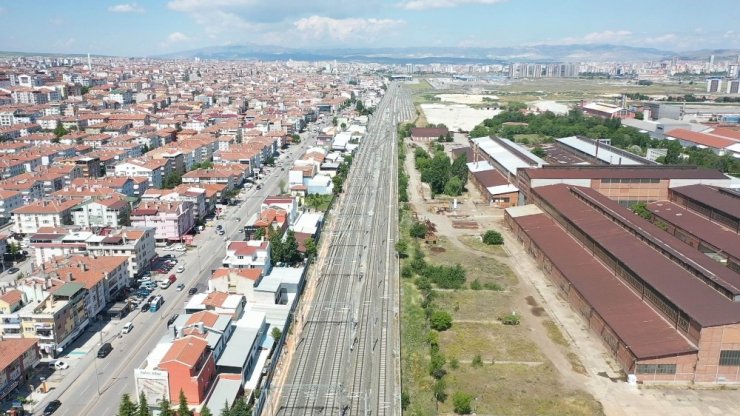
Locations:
{"points": [[148, 27]]}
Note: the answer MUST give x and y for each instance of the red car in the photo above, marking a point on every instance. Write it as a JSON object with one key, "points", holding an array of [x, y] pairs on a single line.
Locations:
{"points": [[173, 278]]}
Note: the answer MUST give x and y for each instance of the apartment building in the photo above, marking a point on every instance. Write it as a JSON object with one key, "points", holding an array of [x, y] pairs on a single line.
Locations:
{"points": [[29, 218]]}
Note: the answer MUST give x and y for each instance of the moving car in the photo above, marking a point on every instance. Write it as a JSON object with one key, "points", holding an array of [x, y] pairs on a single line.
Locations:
{"points": [[180, 287], [127, 328], [104, 350], [156, 303], [13, 270], [172, 319], [52, 407], [192, 291], [181, 269]]}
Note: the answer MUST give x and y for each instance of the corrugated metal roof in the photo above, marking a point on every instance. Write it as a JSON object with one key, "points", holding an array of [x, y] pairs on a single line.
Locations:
{"points": [[639, 327], [720, 237], [503, 156], [238, 348], [589, 147], [712, 197], [618, 172], [692, 295]]}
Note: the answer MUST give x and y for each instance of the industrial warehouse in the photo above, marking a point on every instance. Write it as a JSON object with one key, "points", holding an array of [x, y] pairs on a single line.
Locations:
{"points": [[667, 307]]}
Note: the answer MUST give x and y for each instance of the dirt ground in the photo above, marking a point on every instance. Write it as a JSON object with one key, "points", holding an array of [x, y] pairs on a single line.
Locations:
{"points": [[581, 365]]}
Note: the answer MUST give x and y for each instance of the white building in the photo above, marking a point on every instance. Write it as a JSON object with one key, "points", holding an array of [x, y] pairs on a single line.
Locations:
{"points": [[111, 212]]}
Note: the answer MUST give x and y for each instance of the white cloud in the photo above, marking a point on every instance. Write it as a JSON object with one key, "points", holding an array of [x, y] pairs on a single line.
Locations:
{"points": [[607, 36], [439, 4], [126, 8], [344, 29], [661, 39], [176, 37]]}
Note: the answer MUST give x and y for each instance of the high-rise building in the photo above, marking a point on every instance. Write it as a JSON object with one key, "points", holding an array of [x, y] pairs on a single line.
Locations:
{"points": [[714, 84], [733, 86]]}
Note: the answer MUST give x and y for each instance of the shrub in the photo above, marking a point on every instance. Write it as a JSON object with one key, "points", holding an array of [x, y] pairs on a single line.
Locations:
{"points": [[436, 365], [475, 285], [493, 238], [511, 319], [477, 361], [418, 230], [438, 389], [406, 272], [440, 321], [493, 286], [446, 277], [454, 363], [461, 403]]}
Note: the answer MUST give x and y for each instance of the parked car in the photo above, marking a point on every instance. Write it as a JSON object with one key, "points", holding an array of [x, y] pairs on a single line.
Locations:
{"points": [[172, 319], [127, 328], [52, 407], [13, 270], [192, 291], [59, 365], [218, 227], [181, 269], [104, 350], [221, 232], [145, 306]]}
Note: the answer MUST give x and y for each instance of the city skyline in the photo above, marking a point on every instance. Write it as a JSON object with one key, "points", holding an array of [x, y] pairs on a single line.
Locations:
{"points": [[145, 28]]}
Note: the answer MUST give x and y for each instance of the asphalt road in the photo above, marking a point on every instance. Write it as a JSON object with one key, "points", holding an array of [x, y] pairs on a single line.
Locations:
{"points": [[81, 391], [347, 358]]}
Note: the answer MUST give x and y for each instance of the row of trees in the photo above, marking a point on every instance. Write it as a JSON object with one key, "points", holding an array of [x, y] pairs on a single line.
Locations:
{"points": [[575, 123], [341, 175], [129, 408], [442, 175]]}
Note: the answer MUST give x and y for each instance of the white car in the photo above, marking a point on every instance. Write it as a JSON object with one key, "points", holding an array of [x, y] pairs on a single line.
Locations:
{"points": [[181, 269], [59, 365], [127, 328]]}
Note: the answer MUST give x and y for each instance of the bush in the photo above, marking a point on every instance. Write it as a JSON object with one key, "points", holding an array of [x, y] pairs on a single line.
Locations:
{"points": [[493, 238], [454, 363], [511, 319], [440, 321], [405, 400], [436, 365], [418, 230], [446, 277], [438, 390], [402, 249], [461, 403], [475, 285], [477, 361], [406, 272]]}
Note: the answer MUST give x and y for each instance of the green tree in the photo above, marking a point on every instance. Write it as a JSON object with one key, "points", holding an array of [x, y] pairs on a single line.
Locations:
{"points": [[258, 233], [127, 407], [13, 249], [205, 411], [492, 238], [295, 138], [539, 151], [277, 253], [281, 185], [437, 173], [311, 249], [276, 333], [182, 408], [291, 255], [144, 149], [405, 399], [60, 131], [172, 180], [165, 408], [440, 321], [225, 411], [334, 121], [143, 406], [459, 168], [461, 403], [343, 126], [240, 408], [418, 230], [84, 90], [454, 186]]}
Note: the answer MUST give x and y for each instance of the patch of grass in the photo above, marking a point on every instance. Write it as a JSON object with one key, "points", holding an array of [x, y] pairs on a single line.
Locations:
{"points": [[554, 333], [486, 270], [531, 139], [480, 305], [415, 353], [474, 242], [490, 341], [515, 390]]}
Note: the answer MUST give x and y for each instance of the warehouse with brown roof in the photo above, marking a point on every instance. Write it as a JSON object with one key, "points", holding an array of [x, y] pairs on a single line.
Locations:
{"points": [[665, 310]]}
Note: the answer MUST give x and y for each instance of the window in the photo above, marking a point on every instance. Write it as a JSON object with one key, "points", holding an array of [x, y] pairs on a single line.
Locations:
{"points": [[729, 357], [656, 369]]}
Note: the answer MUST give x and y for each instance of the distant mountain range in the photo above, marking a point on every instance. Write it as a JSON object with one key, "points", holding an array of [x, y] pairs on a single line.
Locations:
{"points": [[448, 55]]}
